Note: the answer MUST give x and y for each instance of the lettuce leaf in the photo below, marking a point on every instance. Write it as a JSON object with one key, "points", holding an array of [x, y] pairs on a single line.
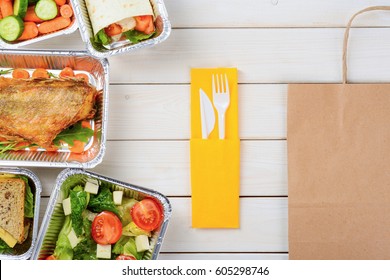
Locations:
{"points": [[136, 36], [4, 248], [100, 39], [63, 250], [28, 199], [75, 132], [102, 201], [86, 249], [78, 202], [126, 246]]}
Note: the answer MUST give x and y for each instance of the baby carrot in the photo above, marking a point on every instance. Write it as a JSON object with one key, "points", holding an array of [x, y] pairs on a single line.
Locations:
{"points": [[53, 25], [66, 11], [78, 147], [60, 2], [7, 8], [82, 76], [30, 31], [67, 72], [20, 74], [31, 15], [40, 73]]}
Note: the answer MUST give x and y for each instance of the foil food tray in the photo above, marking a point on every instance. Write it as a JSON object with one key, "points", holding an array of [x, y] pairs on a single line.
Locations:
{"points": [[51, 227], [163, 30], [68, 30], [25, 250], [54, 61]]}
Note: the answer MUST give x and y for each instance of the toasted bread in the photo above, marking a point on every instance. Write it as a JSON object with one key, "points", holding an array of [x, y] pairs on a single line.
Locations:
{"points": [[12, 192]]}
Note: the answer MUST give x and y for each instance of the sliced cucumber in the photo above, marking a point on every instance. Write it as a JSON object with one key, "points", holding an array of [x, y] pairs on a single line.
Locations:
{"points": [[46, 9], [11, 28], [20, 8]]}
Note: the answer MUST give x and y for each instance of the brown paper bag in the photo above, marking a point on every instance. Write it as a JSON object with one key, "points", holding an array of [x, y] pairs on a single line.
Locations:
{"points": [[339, 168]]}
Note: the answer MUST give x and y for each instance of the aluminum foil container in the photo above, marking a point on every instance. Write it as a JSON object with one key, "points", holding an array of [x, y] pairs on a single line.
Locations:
{"points": [[24, 251], [163, 27], [70, 29], [54, 216], [54, 61]]}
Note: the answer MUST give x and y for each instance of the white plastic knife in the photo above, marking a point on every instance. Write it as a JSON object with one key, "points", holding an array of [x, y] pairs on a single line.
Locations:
{"points": [[207, 114]]}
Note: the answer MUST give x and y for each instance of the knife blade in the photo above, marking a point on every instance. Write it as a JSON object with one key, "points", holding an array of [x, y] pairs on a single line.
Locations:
{"points": [[207, 114]]}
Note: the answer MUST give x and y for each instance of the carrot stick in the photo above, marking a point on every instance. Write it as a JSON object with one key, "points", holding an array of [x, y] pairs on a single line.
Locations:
{"points": [[53, 25], [66, 11], [60, 2], [67, 72], [20, 74], [40, 73], [7, 8], [31, 15], [30, 31]]}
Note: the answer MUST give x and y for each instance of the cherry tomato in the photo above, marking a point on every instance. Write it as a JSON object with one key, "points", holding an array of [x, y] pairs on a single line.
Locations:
{"points": [[125, 257], [51, 258], [113, 29], [146, 214], [106, 228], [144, 24]]}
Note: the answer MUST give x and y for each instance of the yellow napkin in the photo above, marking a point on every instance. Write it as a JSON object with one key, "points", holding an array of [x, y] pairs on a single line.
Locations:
{"points": [[215, 164]]}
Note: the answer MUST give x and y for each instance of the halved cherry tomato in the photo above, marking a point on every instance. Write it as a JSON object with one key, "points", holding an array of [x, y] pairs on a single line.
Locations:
{"points": [[82, 76], [146, 214], [50, 258], [78, 147], [125, 257], [106, 228], [113, 29], [144, 24], [66, 72]]}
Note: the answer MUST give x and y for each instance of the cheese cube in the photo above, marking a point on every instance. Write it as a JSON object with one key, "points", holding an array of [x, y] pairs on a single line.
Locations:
{"points": [[103, 251], [91, 187], [117, 197], [142, 243], [66, 206], [73, 239]]}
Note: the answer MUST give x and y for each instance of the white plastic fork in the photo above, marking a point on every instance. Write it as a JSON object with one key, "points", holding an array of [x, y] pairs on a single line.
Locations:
{"points": [[221, 100]]}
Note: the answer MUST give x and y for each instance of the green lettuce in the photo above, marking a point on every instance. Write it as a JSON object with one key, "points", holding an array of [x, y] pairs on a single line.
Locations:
{"points": [[126, 246], [86, 249], [102, 201], [4, 248], [133, 230], [74, 132], [28, 199], [101, 39], [63, 250], [78, 202], [136, 36]]}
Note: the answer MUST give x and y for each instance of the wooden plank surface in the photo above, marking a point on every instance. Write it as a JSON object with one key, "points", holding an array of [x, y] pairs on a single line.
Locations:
{"points": [[303, 55], [271, 13], [263, 167]]}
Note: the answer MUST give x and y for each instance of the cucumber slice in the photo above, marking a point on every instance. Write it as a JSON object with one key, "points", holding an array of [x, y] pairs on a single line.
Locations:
{"points": [[46, 9], [11, 28], [20, 8]]}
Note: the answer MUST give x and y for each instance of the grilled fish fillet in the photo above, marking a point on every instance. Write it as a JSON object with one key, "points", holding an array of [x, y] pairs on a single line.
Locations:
{"points": [[36, 110]]}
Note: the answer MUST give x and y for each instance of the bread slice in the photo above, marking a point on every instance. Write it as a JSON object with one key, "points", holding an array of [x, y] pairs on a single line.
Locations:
{"points": [[12, 192]]}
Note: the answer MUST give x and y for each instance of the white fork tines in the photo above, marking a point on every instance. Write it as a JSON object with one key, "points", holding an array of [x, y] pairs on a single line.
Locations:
{"points": [[221, 100]]}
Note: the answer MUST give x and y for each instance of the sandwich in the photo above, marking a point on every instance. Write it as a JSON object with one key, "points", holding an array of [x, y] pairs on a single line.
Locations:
{"points": [[16, 210], [120, 20]]}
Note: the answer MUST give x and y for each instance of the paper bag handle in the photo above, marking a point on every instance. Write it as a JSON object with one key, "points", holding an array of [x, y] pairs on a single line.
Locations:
{"points": [[346, 35]]}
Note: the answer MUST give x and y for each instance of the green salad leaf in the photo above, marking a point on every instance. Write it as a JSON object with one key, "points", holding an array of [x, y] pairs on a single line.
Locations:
{"points": [[75, 132], [4, 72], [86, 249], [78, 202], [63, 250], [4, 248], [133, 230], [101, 39], [136, 36], [102, 201]]}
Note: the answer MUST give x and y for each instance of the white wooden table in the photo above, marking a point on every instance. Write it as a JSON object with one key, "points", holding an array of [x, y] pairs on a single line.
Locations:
{"points": [[272, 43]]}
